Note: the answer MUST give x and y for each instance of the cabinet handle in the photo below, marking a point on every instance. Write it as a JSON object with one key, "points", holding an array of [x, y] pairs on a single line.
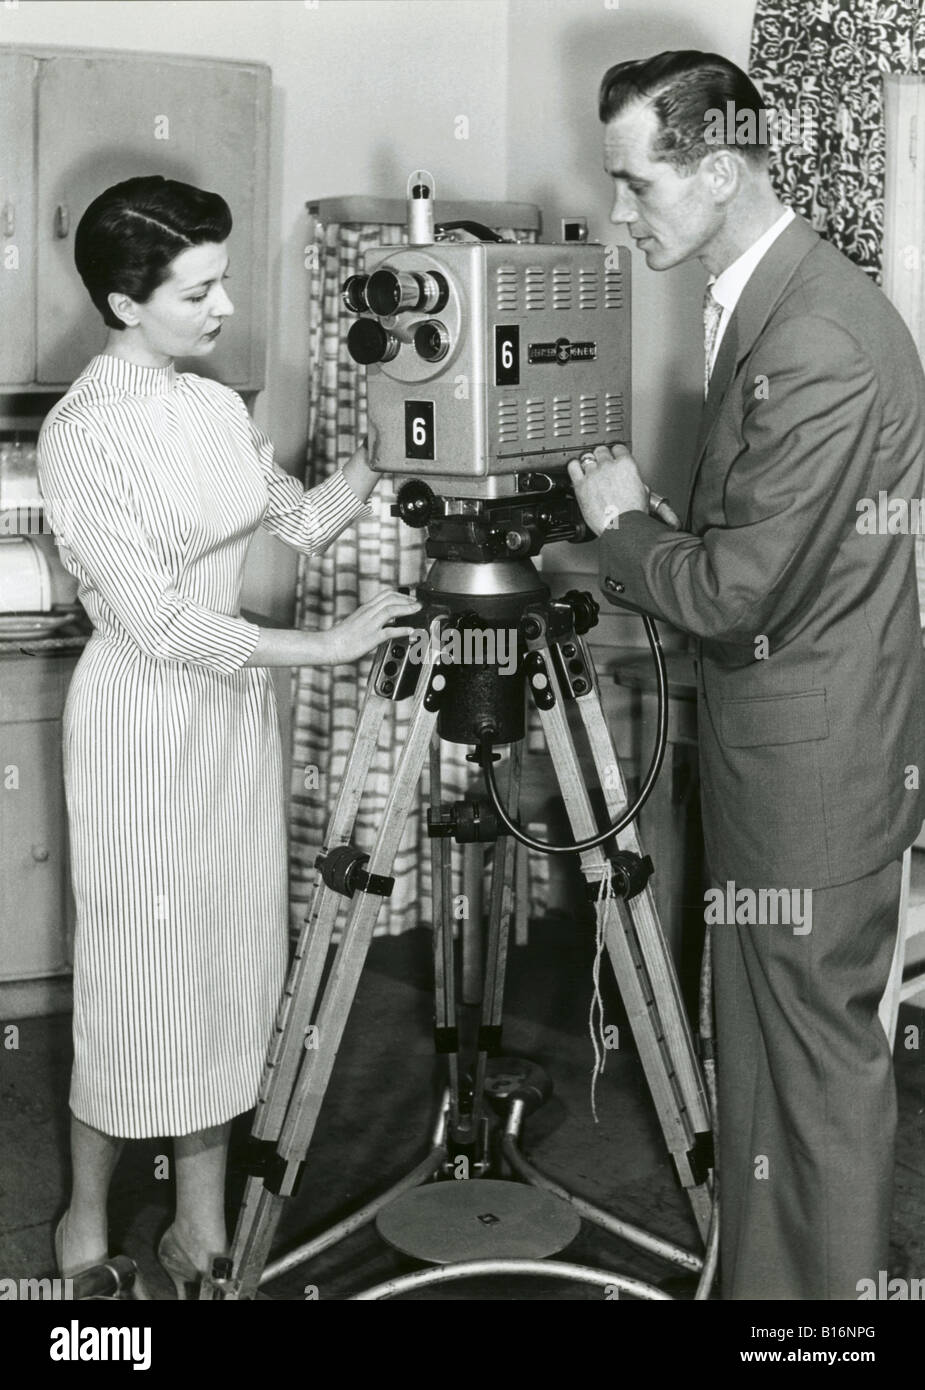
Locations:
{"points": [[39, 853], [62, 221], [9, 220]]}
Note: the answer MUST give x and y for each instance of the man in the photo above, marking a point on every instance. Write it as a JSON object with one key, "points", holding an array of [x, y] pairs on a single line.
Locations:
{"points": [[809, 660]]}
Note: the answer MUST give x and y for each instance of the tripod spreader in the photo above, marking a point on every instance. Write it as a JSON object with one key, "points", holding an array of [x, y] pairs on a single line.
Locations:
{"points": [[468, 822], [473, 822]]}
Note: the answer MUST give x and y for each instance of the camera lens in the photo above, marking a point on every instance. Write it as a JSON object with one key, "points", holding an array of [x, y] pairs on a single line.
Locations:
{"points": [[390, 291], [354, 293], [369, 342], [434, 293], [432, 340]]}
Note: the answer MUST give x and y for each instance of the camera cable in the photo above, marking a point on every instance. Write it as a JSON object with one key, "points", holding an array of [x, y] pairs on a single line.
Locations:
{"points": [[658, 755]]}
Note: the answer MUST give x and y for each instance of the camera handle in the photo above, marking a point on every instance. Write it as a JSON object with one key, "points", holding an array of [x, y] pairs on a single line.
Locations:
{"points": [[477, 229]]}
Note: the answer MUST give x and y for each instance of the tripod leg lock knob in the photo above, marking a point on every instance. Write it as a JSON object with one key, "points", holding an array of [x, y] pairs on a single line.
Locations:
{"points": [[342, 869], [490, 1039], [279, 1175], [446, 1040], [630, 874], [701, 1157]]}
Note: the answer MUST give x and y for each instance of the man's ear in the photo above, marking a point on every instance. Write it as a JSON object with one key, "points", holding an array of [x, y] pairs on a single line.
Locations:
{"points": [[124, 308], [724, 174]]}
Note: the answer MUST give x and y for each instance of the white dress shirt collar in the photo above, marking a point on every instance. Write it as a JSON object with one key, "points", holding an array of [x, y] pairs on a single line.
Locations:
{"points": [[727, 288]]}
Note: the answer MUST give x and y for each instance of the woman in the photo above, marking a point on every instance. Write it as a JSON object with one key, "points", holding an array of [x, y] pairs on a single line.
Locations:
{"points": [[155, 481]]}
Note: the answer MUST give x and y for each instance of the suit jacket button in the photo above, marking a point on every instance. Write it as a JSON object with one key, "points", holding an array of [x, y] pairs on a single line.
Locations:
{"points": [[613, 585]]}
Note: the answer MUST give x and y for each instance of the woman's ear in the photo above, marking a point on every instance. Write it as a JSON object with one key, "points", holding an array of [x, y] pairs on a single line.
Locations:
{"points": [[123, 308]]}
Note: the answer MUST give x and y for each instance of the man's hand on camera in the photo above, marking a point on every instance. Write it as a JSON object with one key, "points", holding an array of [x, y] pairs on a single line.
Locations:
{"points": [[607, 484]]}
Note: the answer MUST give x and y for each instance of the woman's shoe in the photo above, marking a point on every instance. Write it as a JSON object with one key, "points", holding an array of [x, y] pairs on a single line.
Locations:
{"points": [[175, 1262], [60, 1233], [137, 1289]]}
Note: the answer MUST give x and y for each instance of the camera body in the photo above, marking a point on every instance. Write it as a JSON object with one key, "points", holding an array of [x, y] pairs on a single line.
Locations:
{"points": [[492, 363]]}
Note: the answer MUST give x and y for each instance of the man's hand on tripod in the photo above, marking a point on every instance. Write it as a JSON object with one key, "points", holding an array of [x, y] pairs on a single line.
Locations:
{"points": [[607, 484]]}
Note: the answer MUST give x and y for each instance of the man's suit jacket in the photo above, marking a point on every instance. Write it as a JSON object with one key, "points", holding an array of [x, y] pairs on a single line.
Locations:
{"points": [[810, 756]]}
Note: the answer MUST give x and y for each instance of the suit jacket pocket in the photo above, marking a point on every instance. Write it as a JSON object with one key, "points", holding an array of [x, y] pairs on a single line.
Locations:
{"points": [[772, 719]]}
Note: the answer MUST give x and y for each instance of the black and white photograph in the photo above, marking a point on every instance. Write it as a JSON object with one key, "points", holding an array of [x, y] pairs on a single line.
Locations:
{"points": [[462, 667]]}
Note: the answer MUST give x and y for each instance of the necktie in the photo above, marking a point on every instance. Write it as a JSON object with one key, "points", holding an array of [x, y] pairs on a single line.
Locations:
{"points": [[712, 313]]}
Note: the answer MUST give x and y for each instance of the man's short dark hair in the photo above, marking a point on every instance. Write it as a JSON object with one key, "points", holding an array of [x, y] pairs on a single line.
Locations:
{"points": [[129, 235], [684, 87]]}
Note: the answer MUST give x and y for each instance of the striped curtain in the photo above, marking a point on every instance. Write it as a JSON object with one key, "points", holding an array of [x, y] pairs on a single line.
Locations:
{"points": [[376, 553]]}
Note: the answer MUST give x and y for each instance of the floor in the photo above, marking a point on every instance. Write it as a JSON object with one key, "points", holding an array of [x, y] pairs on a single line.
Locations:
{"points": [[378, 1117]]}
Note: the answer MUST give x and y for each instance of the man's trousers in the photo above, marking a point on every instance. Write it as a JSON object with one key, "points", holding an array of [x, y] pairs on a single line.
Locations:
{"points": [[807, 1105]]}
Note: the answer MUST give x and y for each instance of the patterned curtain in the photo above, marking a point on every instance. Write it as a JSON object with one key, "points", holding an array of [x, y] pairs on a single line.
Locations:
{"points": [[376, 553], [826, 58]]}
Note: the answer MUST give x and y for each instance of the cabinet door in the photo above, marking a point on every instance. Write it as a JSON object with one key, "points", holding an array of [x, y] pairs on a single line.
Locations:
{"points": [[104, 119], [17, 219], [33, 912]]}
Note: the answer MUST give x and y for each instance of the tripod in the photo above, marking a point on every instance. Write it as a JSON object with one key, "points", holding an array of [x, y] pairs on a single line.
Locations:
{"points": [[474, 704]]}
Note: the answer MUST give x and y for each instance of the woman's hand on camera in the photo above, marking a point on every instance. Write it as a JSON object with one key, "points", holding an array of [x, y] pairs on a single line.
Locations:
{"points": [[359, 470], [365, 629]]}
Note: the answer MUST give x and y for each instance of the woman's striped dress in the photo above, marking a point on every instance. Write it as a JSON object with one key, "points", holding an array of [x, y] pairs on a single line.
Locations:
{"points": [[155, 482]]}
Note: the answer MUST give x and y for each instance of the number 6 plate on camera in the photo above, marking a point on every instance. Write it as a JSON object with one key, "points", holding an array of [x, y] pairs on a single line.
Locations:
{"points": [[419, 429]]}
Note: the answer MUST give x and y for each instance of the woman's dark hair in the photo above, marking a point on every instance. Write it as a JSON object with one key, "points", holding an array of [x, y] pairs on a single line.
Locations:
{"points": [[129, 235], [689, 89]]}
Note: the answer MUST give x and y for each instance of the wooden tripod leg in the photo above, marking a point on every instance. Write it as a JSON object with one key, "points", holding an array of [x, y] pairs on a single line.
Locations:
{"points": [[341, 986], [300, 991], [299, 1099], [645, 977], [652, 944]]}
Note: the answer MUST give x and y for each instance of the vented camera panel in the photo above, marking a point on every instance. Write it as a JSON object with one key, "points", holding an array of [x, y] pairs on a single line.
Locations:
{"points": [[535, 358]]}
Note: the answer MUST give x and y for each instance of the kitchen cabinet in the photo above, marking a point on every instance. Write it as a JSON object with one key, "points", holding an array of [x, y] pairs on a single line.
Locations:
{"points": [[17, 218], [36, 907], [73, 122]]}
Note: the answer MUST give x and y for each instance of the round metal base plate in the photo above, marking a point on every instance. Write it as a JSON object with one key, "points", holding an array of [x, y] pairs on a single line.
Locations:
{"points": [[479, 1219]]}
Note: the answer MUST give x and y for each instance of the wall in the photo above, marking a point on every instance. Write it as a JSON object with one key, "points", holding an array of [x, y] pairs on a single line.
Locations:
{"points": [[558, 54], [364, 91]]}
